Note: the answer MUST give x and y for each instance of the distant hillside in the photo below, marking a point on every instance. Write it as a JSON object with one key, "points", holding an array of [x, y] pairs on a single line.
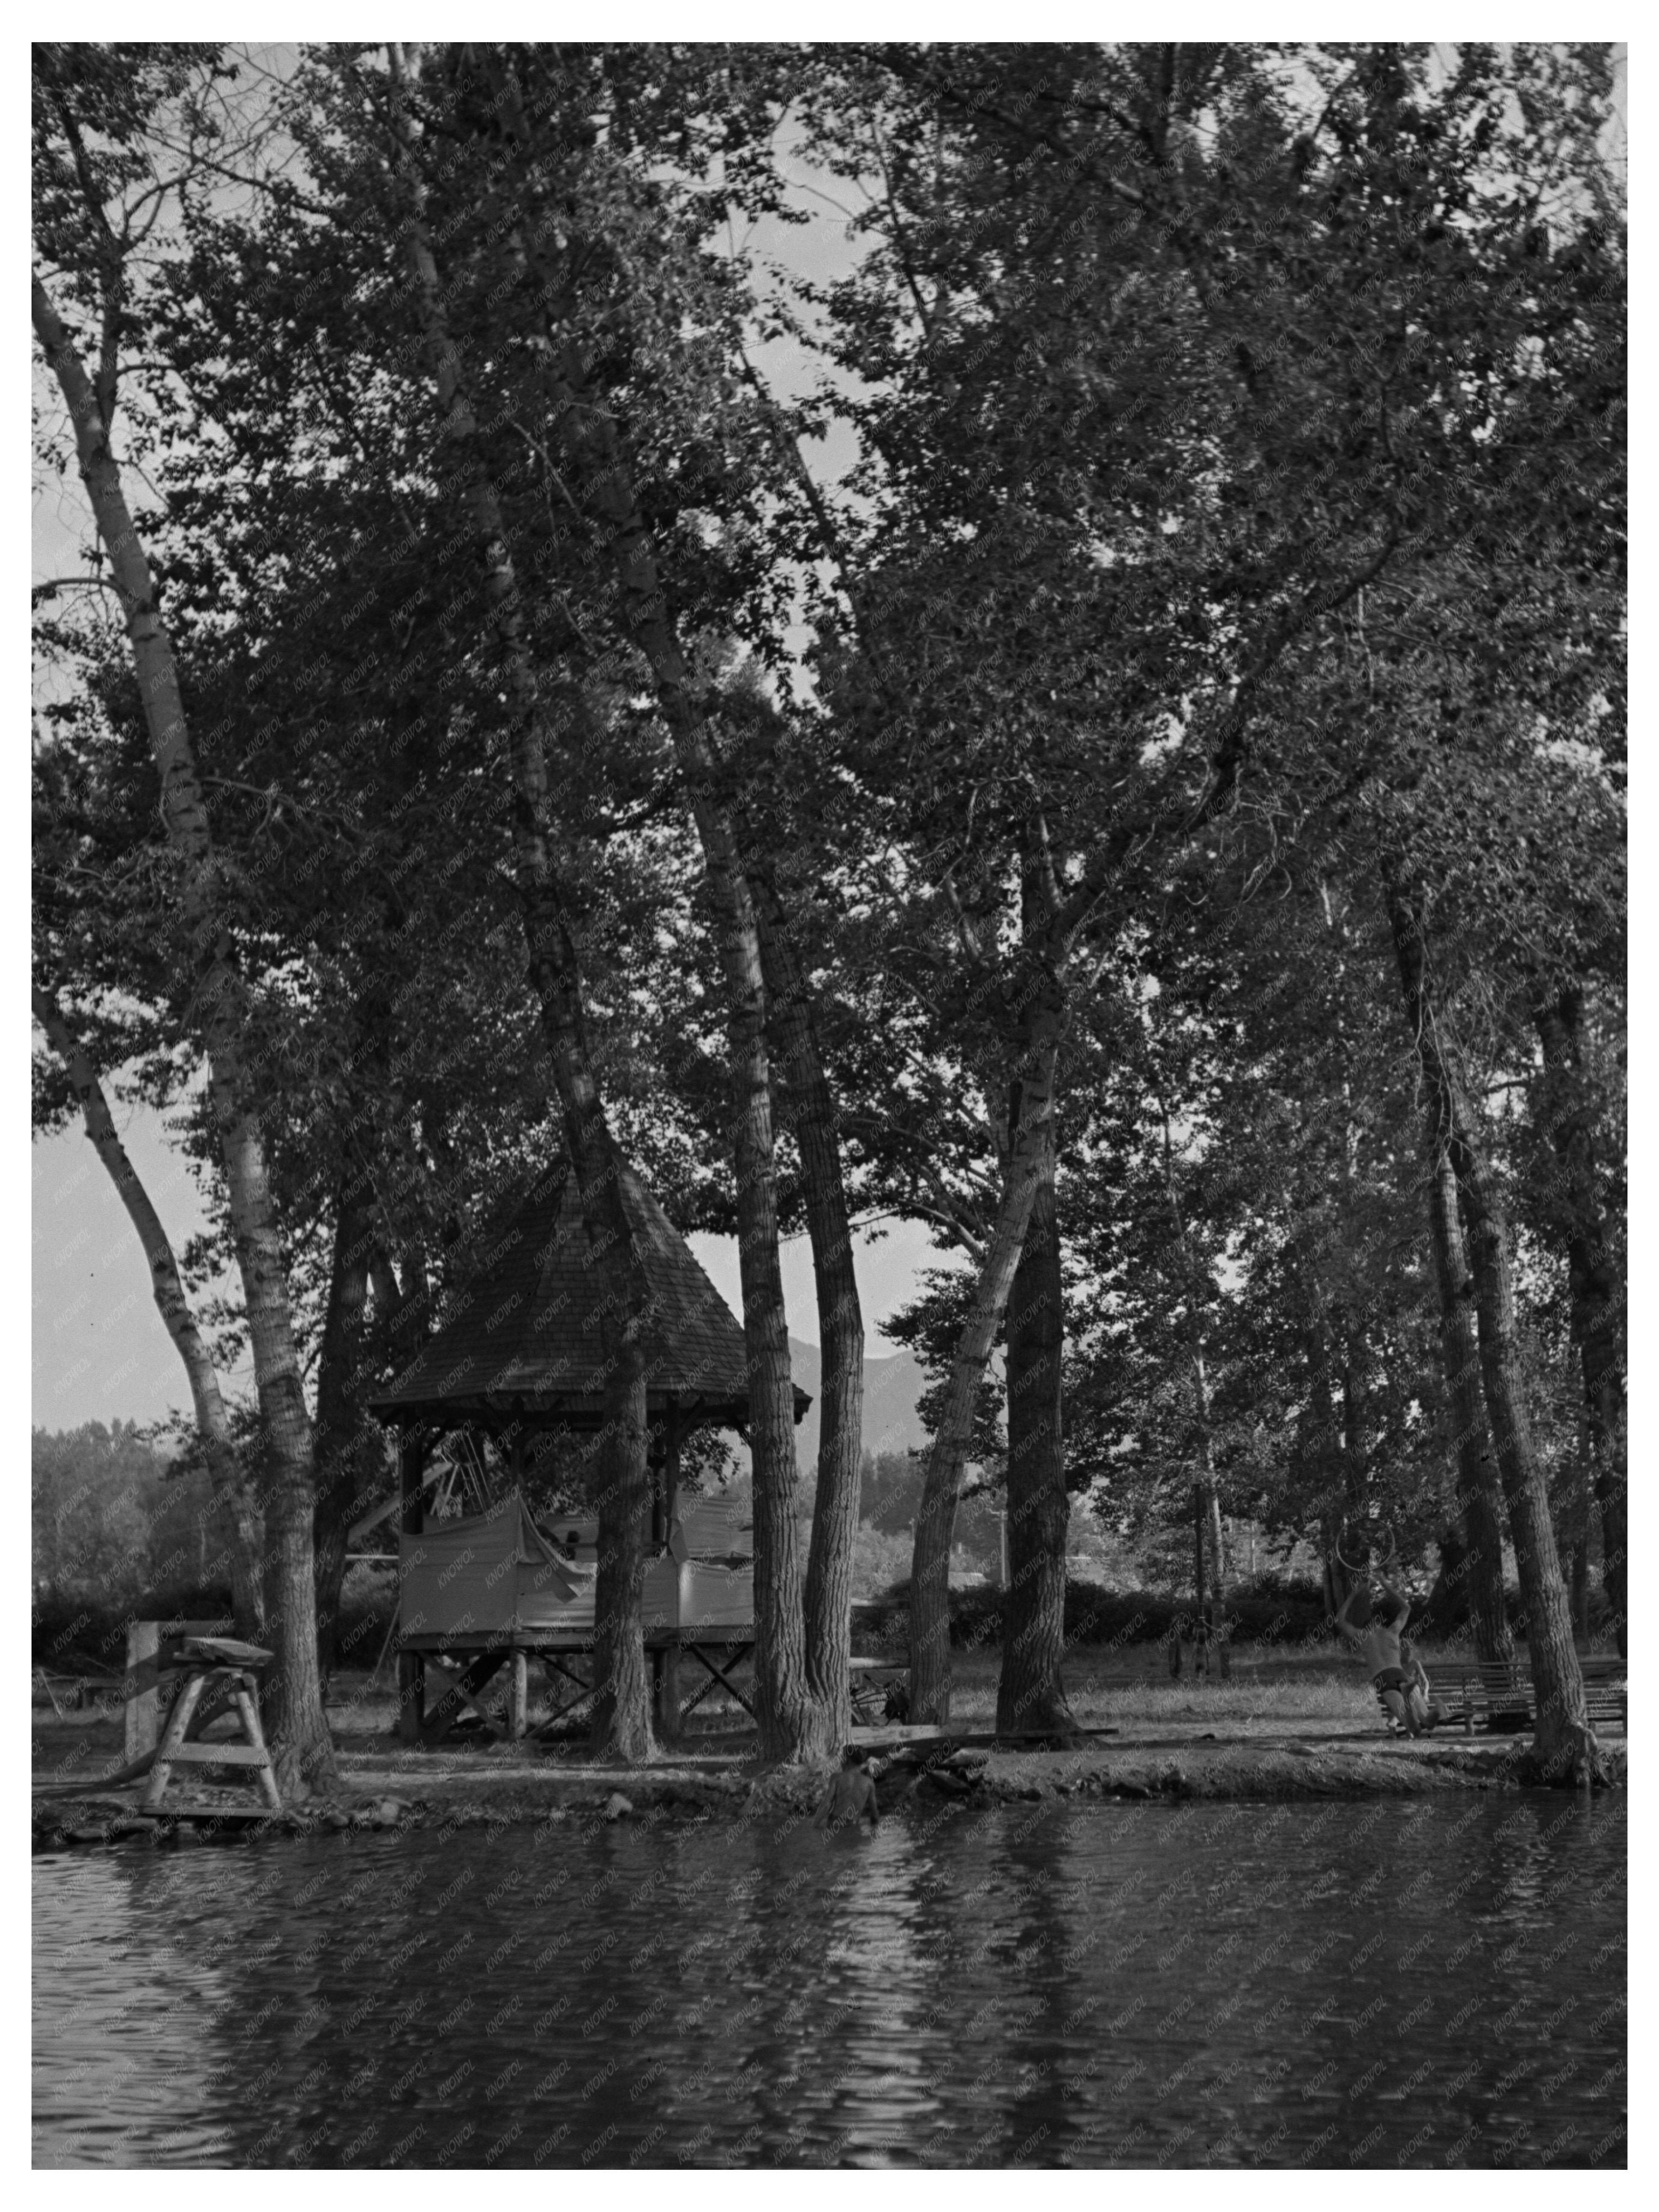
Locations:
{"points": [[892, 1386]]}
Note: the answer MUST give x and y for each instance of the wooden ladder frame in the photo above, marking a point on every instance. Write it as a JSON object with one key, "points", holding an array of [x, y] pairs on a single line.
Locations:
{"points": [[174, 1751]]}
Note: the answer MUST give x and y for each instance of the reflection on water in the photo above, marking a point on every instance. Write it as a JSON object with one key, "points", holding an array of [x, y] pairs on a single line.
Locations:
{"points": [[1393, 1984]]}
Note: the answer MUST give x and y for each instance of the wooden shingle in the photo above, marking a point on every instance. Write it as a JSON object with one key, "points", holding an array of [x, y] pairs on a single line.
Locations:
{"points": [[526, 1339]]}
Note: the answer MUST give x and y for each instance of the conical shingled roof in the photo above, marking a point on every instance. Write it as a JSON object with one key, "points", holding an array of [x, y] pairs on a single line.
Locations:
{"points": [[526, 1337]]}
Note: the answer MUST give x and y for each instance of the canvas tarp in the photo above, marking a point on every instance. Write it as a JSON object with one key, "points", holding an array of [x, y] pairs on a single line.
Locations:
{"points": [[717, 1527], [488, 1574], [495, 1574]]}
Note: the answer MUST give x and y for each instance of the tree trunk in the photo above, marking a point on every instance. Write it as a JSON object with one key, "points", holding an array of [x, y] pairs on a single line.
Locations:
{"points": [[1322, 1445], [298, 1726], [1563, 1746], [941, 1488], [622, 1712], [1562, 1733], [792, 1723], [1212, 1530], [1029, 1694], [1480, 1491], [1595, 1280], [235, 1508], [1447, 1608], [841, 1323], [1209, 1507], [292, 1690], [1579, 1585], [346, 1454]]}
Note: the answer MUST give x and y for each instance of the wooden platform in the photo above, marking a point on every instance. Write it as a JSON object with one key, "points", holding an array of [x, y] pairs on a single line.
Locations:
{"points": [[891, 1738], [477, 1657], [537, 1644], [243, 1815]]}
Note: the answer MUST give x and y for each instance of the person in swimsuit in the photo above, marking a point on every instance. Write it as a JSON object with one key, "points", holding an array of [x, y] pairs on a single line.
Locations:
{"points": [[1419, 1704], [852, 1794], [1396, 1673]]}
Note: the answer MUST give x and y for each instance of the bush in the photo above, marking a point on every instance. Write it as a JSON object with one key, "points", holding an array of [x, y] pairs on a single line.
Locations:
{"points": [[70, 1638], [369, 1598], [1098, 1616]]}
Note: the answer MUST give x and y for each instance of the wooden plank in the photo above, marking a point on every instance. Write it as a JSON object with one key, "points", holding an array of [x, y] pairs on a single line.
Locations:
{"points": [[720, 1676], [586, 1691], [464, 1643], [141, 1687], [463, 1690], [153, 1652], [518, 1696], [218, 1815], [178, 1722], [226, 1651], [411, 1695], [208, 1753], [690, 1704], [248, 1711]]}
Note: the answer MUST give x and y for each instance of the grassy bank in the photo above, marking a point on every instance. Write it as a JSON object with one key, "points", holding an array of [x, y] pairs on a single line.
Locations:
{"points": [[1288, 1726]]}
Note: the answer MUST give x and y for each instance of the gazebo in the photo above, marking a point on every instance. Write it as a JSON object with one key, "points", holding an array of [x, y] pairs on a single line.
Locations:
{"points": [[520, 1361]]}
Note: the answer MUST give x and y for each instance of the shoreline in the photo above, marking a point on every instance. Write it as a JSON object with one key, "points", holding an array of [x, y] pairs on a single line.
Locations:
{"points": [[391, 1789]]}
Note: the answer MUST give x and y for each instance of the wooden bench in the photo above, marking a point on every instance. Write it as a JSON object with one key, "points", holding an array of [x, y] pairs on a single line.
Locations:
{"points": [[1503, 1699]]}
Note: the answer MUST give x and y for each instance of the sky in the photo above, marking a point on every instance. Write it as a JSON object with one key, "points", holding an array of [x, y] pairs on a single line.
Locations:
{"points": [[100, 1352]]}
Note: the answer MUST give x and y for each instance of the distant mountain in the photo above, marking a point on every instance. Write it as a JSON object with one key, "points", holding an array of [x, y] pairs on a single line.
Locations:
{"points": [[892, 1387]]}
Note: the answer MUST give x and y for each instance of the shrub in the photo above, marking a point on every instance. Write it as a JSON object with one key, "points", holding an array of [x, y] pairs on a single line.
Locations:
{"points": [[1098, 1616]]}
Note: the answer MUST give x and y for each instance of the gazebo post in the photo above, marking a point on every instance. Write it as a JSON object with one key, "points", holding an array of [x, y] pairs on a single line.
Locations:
{"points": [[668, 1694], [411, 1665], [656, 1457]]}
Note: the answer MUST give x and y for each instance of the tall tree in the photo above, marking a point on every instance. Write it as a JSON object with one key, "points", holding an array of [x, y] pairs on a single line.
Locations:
{"points": [[238, 1515], [622, 1722], [1562, 1745], [1480, 1493], [1578, 1208], [302, 1746]]}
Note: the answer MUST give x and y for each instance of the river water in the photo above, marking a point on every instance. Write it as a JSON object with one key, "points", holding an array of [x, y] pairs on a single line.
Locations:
{"points": [[1433, 1983]]}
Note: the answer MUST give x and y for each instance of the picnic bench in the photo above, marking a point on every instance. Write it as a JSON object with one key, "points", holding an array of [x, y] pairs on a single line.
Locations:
{"points": [[1502, 1698]]}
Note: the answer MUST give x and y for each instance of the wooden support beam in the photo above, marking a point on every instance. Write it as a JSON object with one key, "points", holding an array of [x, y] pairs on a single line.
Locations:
{"points": [[669, 1708], [1198, 1548], [697, 1696], [462, 1690], [411, 1665], [212, 1753], [554, 1664], [518, 1696], [248, 1710], [741, 1653], [153, 1652], [143, 1686], [172, 1741]]}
